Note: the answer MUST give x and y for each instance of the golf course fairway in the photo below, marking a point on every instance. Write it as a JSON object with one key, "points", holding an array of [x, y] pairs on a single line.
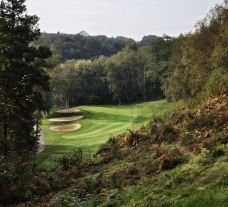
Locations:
{"points": [[98, 125]]}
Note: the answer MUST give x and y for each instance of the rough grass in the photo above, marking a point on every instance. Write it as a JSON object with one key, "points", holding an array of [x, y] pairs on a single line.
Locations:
{"points": [[99, 124], [190, 185]]}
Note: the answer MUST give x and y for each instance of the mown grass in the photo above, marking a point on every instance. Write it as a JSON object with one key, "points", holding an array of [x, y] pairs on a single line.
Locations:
{"points": [[99, 124]]}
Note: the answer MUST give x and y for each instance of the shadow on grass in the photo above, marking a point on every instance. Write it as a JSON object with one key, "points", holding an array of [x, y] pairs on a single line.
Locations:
{"points": [[97, 116], [112, 117], [60, 115], [49, 158]]}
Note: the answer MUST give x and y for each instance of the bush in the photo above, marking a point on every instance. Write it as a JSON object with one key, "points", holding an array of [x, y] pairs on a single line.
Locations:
{"points": [[216, 153], [210, 156], [135, 138], [187, 139], [217, 83], [171, 159], [74, 159], [109, 150], [161, 130]]}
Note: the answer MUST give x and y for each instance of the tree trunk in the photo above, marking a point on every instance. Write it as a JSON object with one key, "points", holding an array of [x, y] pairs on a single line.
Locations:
{"points": [[35, 145]]}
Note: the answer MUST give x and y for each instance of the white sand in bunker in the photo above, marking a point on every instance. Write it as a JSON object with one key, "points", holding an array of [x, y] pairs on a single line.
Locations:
{"points": [[66, 128], [65, 111], [66, 119]]}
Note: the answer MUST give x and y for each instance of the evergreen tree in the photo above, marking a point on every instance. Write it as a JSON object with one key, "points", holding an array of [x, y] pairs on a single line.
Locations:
{"points": [[23, 80]]}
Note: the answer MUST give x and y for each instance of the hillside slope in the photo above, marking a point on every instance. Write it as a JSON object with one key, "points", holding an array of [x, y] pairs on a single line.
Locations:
{"points": [[178, 160]]}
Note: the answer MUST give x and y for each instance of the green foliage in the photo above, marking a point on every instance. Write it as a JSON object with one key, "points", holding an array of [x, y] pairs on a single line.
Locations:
{"points": [[213, 154], [134, 74], [161, 130], [200, 61], [218, 152], [73, 159], [217, 84], [69, 46], [23, 83]]}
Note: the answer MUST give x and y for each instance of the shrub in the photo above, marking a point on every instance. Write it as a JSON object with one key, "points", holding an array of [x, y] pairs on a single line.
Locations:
{"points": [[187, 139], [161, 130], [171, 159], [210, 156], [74, 159], [135, 138], [217, 83], [109, 150], [216, 153]]}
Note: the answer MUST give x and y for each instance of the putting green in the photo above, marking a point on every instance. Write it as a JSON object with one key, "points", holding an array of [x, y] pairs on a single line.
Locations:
{"points": [[99, 124]]}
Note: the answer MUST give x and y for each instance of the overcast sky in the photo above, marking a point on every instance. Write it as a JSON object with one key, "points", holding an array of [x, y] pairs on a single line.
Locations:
{"points": [[130, 18]]}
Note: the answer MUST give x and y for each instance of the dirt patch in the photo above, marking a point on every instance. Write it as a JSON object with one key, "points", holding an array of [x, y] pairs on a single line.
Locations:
{"points": [[66, 119], [66, 128], [68, 111]]}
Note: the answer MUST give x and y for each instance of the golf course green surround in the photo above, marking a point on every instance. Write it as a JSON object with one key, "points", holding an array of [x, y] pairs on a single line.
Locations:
{"points": [[98, 125]]}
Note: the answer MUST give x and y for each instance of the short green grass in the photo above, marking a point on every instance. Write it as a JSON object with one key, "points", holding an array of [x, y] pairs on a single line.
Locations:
{"points": [[99, 124]]}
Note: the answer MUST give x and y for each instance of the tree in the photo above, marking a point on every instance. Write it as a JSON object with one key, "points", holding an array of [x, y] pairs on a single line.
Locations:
{"points": [[23, 79], [201, 57]]}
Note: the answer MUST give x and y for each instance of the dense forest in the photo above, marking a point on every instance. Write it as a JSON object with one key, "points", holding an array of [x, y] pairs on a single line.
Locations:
{"points": [[137, 73], [80, 46], [177, 157], [172, 67]]}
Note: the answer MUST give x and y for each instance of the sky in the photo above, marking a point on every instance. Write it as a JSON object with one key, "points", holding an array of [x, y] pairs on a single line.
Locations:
{"points": [[129, 18]]}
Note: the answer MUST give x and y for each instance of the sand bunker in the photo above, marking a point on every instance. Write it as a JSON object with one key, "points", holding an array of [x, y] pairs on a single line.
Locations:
{"points": [[66, 128], [69, 111], [66, 119]]}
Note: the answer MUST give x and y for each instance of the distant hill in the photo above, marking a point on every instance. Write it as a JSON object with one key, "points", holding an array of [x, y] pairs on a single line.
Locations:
{"points": [[148, 39], [84, 33], [81, 45]]}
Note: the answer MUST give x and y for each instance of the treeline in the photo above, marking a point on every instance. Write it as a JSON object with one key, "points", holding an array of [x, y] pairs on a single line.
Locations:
{"points": [[199, 64], [176, 68], [80, 46], [129, 76]]}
